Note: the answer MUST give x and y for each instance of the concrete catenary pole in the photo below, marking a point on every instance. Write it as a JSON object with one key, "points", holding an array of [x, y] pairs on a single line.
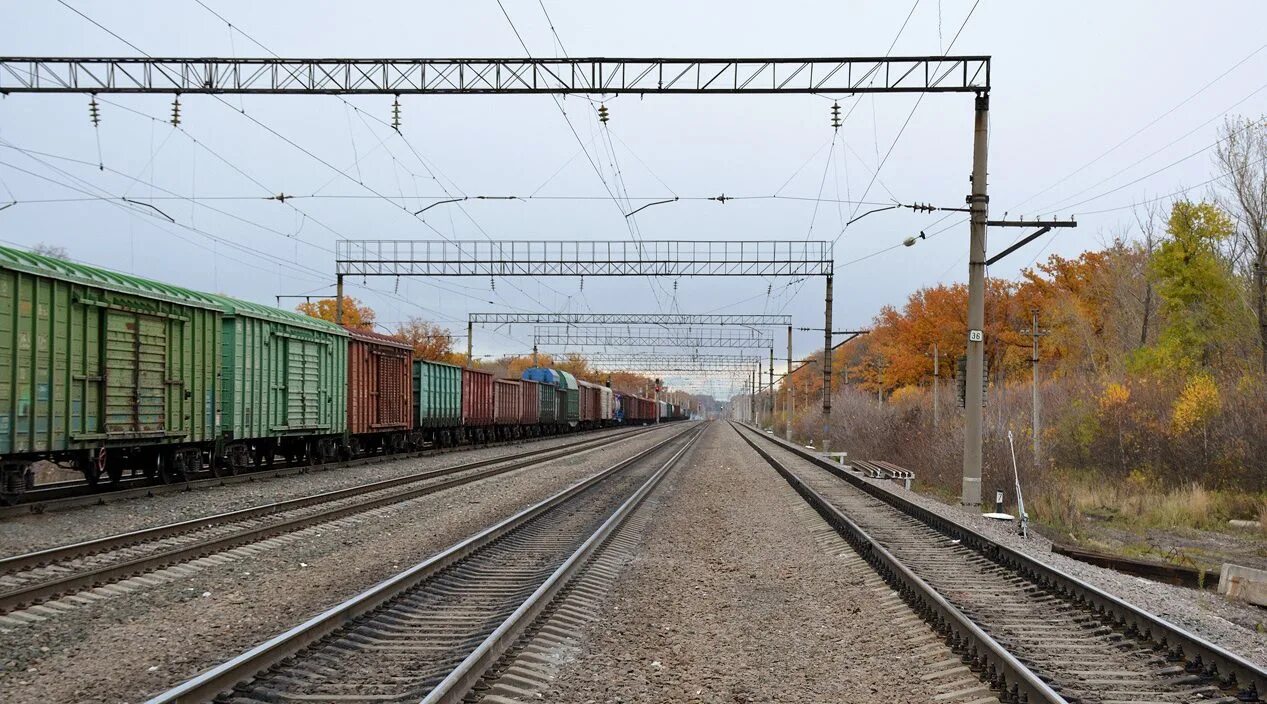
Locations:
{"points": [[1037, 428], [978, 203], [470, 338], [771, 389], [787, 384], [826, 445], [936, 384], [338, 299], [752, 397]]}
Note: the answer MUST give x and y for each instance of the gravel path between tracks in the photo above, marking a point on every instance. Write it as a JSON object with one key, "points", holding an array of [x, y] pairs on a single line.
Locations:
{"points": [[1235, 626], [25, 533], [127, 648], [730, 600]]}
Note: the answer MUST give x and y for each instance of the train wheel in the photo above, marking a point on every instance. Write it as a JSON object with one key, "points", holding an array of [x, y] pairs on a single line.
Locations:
{"points": [[114, 470], [91, 465], [15, 479], [166, 467]]}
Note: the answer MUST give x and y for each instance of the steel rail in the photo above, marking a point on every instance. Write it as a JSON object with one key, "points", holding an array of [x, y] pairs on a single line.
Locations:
{"points": [[78, 581], [990, 660], [96, 545], [33, 501], [1195, 651], [207, 685], [454, 688]]}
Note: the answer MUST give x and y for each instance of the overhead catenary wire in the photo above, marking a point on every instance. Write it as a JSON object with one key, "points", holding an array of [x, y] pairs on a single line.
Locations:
{"points": [[1141, 130]]}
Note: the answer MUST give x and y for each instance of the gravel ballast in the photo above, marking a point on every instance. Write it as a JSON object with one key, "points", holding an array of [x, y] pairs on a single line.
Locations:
{"points": [[130, 647], [1230, 624], [730, 600], [28, 532]]}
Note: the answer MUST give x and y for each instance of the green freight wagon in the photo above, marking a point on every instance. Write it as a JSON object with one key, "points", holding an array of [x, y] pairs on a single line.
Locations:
{"points": [[438, 401], [102, 371], [567, 382], [284, 386]]}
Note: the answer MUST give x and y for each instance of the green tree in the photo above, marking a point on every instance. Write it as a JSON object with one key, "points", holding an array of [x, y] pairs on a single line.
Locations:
{"points": [[1197, 292]]}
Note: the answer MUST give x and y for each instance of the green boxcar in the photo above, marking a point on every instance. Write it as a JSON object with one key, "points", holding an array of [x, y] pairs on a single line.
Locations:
{"points": [[568, 383], [437, 395], [98, 366], [285, 374]]}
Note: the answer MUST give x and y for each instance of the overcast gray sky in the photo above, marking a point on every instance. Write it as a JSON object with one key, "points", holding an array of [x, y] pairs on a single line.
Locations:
{"points": [[1071, 81]]}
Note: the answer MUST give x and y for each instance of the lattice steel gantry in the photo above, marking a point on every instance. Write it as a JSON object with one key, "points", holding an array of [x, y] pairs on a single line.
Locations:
{"points": [[342, 76], [649, 337], [823, 75], [661, 319]]}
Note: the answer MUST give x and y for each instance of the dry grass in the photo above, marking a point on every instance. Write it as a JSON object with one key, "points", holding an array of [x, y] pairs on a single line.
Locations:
{"points": [[1066, 502]]}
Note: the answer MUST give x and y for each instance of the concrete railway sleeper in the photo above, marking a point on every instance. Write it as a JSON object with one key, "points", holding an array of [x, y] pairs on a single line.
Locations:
{"points": [[1017, 622], [33, 577], [430, 632]]}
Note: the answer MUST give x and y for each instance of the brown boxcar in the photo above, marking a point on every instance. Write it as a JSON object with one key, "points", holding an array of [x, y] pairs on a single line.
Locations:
{"points": [[380, 390], [591, 403], [507, 402], [477, 402], [530, 414]]}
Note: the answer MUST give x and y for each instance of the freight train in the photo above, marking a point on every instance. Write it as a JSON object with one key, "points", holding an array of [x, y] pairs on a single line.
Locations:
{"points": [[108, 373]]}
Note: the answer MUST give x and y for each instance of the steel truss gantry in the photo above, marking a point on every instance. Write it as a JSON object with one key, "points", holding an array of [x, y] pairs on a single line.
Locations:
{"points": [[601, 76], [674, 362], [626, 319], [649, 337], [330, 76], [631, 319], [582, 258]]}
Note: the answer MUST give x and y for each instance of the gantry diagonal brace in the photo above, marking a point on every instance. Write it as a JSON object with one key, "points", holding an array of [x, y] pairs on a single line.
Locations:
{"points": [[404, 76]]}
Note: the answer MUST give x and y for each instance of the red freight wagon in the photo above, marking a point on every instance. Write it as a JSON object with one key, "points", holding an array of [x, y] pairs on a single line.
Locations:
{"points": [[477, 402], [508, 404], [591, 403], [380, 390], [530, 414]]}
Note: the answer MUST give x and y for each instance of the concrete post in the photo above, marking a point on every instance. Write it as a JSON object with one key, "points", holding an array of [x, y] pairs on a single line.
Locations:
{"points": [[470, 339], [787, 384], [936, 384], [1037, 426], [338, 299], [826, 445], [978, 203]]}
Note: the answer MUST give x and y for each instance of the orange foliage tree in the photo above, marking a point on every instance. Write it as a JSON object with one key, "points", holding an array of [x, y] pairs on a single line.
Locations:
{"points": [[355, 314], [430, 341]]}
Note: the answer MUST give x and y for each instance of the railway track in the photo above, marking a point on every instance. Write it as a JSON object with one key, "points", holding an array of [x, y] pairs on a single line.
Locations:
{"points": [[69, 494], [430, 632], [30, 578], [1030, 631]]}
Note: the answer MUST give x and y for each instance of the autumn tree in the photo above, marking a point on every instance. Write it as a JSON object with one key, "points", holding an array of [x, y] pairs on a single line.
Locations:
{"points": [[355, 314], [1194, 286], [430, 341], [1242, 153]]}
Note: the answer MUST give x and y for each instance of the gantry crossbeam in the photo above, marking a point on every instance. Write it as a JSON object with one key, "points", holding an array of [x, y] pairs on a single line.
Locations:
{"points": [[582, 258], [387, 76], [649, 337], [631, 319]]}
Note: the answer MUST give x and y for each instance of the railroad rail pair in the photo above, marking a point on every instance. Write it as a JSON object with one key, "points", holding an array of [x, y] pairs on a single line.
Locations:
{"points": [[431, 631], [46, 574], [1031, 631], [70, 494]]}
